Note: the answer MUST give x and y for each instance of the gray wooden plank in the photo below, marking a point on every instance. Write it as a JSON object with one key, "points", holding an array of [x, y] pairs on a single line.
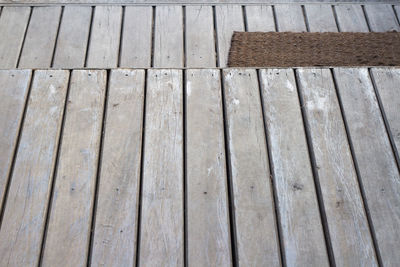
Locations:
{"points": [[14, 87], [161, 229], [397, 10], [114, 242], [260, 18], [37, 51], [25, 213], [168, 39], [290, 18], [200, 46], [257, 240], [73, 37], [381, 18], [348, 225], [207, 192], [229, 18], [70, 218], [378, 170], [105, 37], [351, 18], [13, 22], [136, 37], [387, 81], [320, 18], [154, 2], [302, 234]]}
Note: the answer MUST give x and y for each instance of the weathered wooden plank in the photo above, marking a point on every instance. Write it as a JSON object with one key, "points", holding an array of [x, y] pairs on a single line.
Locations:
{"points": [[381, 18], [25, 213], [141, 2], [351, 18], [302, 233], [378, 170], [207, 192], [68, 230], [73, 37], [136, 37], [105, 37], [260, 18], [290, 18], [168, 39], [257, 240], [37, 51], [320, 18], [229, 19], [114, 241], [388, 85], [162, 197], [348, 225], [200, 46], [14, 87], [13, 22]]}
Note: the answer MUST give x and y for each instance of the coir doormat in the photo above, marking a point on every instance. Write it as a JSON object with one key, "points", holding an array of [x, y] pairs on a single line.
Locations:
{"points": [[289, 49]]}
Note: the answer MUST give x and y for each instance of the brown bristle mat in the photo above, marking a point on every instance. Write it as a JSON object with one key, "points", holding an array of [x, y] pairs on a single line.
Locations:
{"points": [[289, 49]]}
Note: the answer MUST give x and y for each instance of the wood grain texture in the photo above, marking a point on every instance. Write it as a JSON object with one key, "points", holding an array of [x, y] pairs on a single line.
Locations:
{"points": [[168, 38], [14, 87], [200, 46], [229, 19], [161, 240], [73, 37], [348, 226], [260, 18], [13, 22], [136, 37], [141, 2], [378, 170], [37, 51], [68, 232], [381, 18], [257, 239], [25, 213], [388, 87], [114, 241], [302, 234], [320, 18], [105, 37], [350, 18], [290, 18], [207, 193]]}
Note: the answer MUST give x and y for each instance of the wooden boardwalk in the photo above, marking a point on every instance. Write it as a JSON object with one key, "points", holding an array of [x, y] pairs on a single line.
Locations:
{"points": [[125, 140], [163, 36], [206, 167]]}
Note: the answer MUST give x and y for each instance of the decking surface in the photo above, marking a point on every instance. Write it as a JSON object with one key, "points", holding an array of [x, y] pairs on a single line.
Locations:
{"points": [[205, 166], [125, 141], [163, 36]]}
